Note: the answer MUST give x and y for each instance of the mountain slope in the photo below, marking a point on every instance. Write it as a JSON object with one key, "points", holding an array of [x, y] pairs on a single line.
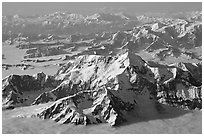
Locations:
{"points": [[96, 89]]}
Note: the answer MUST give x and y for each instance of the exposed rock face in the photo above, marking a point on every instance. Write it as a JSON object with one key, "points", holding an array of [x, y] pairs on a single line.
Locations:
{"points": [[84, 108], [185, 88], [16, 87], [99, 89], [21, 66]]}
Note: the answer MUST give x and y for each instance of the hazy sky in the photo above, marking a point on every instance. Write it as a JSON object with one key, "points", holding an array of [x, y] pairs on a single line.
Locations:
{"points": [[30, 8]]}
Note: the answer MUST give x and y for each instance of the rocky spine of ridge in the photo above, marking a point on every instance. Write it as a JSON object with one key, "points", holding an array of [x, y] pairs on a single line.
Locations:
{"points": [[96, 89], [17, 89], [107, 81]]}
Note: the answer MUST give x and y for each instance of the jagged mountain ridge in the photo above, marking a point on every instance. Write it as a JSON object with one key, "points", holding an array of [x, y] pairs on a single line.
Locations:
{"points": [[164, 40], [18, 89], [64, 23], [96, 89]]}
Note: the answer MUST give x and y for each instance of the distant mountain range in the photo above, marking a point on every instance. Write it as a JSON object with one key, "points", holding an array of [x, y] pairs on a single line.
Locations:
{"points": [[65, 23]]}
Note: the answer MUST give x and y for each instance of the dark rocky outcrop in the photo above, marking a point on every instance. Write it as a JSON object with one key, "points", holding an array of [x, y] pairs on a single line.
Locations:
{"points": [[19, 88]]}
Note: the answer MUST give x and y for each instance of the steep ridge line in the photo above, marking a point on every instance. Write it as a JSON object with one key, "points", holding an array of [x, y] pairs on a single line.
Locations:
{"points": [[116, 86]]}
